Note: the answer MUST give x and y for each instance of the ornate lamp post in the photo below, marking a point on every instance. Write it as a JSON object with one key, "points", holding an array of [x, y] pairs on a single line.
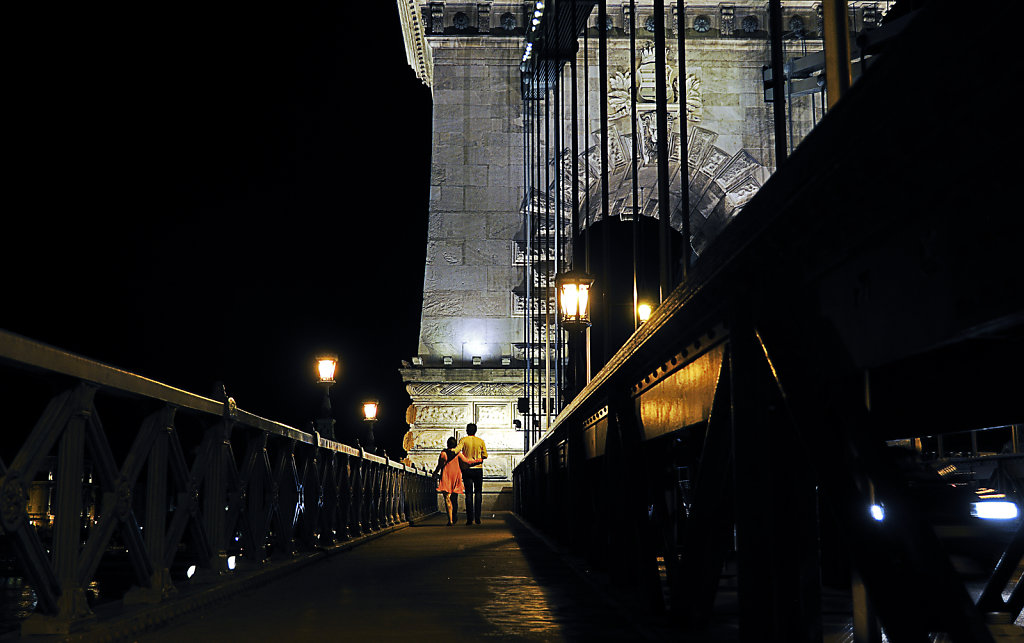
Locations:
{"points": [[574, 299], [370, 417], [326, 365], [574, 315]]}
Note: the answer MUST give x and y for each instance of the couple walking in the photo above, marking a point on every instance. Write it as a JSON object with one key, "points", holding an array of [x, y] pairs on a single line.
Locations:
{"points": [[461, 471]]}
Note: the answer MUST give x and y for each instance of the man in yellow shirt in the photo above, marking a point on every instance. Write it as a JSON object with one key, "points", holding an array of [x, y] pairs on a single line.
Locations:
{"points": [[473, 477]]}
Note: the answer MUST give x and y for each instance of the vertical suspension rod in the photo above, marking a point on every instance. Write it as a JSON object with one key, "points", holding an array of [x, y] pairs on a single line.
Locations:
{"points": [[684, 154], [531, 273], [633, 150], [602, 18], [556, 336], [547, 253], [574, 156], [661, 107], [586, 167], [527, 211], [778, 80], [575, 148], [586, 148], [539, 252]]}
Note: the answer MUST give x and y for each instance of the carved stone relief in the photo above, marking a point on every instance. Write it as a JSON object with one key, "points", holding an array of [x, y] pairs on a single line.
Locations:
{"points": [[497, 468], [442, 415], [502, 440], [722, 181], [428, 440], [463, 389], [496, 415]]}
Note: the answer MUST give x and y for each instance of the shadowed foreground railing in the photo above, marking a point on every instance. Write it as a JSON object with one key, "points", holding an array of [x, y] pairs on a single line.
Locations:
{"points": [[124, 473], [766, 452]]}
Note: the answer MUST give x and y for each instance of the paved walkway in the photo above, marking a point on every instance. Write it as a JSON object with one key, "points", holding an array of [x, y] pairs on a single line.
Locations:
{"points": [[428, 582]]}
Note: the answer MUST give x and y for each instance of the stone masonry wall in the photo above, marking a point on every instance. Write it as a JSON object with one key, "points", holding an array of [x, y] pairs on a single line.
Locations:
{"points": [[476, 187]]}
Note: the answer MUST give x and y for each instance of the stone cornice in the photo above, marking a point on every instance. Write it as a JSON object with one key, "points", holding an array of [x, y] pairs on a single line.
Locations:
{"points": [[502, 390], [462, 382], [417, 51]]}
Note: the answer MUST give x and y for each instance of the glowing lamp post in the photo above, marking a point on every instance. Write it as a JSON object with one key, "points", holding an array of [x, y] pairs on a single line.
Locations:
{"points": [[643, 311], [574, 299], [370, 417], [326, 366]]}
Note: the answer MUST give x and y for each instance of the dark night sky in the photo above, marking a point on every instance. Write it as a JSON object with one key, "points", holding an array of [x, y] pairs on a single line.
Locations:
{"points": [[211, 191]]}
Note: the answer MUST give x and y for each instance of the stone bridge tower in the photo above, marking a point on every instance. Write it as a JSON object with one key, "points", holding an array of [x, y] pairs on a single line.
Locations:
{"points": [[465, 371], [473, 341]]}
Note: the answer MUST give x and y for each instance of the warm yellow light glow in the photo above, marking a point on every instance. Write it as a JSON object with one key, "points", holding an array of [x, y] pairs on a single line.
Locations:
{"points": [[573, 299], [326, 366], [370, 410], [570, 300], [643, 311]]}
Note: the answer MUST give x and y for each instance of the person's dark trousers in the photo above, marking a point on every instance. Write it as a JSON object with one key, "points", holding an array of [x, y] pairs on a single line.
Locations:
{"points": [[474, 482]]}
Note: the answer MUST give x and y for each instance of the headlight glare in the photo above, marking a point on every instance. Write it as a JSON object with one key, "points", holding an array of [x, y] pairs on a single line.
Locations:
{"points": [[994, 510], [877, 512]]}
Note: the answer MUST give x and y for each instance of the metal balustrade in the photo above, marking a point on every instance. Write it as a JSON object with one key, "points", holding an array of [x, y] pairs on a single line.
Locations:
{"points": [[729, 454], [123, 470]]}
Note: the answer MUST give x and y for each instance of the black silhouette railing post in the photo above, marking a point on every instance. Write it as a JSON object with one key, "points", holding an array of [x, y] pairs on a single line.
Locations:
{"points": [[67, 523], [329, 499], [347, 521], [309, 479], [157, 471], [360, 489], [187, 503], [215, 494]]}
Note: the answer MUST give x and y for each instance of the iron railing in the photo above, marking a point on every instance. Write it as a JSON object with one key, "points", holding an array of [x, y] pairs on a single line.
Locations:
{"points": [[123, 472], [744, 430]]}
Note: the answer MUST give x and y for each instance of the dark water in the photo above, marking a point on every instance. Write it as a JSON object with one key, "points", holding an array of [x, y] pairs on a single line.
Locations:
{"points": [[18, 599]]}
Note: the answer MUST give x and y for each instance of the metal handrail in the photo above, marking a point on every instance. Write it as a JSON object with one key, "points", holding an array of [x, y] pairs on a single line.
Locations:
{"points": [[292, 492], [27, 352]]}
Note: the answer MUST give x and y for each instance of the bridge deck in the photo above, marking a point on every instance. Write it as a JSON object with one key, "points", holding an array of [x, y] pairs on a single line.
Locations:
{"points": [[497, 580]]}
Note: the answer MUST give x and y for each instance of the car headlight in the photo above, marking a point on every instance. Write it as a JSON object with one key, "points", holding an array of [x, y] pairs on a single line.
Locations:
{"points": [[877, 512], [994, 510]]}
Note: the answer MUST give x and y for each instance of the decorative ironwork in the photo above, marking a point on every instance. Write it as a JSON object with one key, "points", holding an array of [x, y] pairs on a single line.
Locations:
{"points": [[285, 492]]}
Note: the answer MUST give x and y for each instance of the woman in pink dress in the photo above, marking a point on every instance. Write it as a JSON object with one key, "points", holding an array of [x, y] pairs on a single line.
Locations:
{"points": [[450, 482]]}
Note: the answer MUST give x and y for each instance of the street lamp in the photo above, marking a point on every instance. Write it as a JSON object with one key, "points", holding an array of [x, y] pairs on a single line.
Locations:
{"points": [[370, 416], [643, 311], [326, 366], [574, 299]]}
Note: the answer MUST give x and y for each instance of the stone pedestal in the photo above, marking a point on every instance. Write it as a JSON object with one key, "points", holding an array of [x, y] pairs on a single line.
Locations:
{"points": [[445, 400]]}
